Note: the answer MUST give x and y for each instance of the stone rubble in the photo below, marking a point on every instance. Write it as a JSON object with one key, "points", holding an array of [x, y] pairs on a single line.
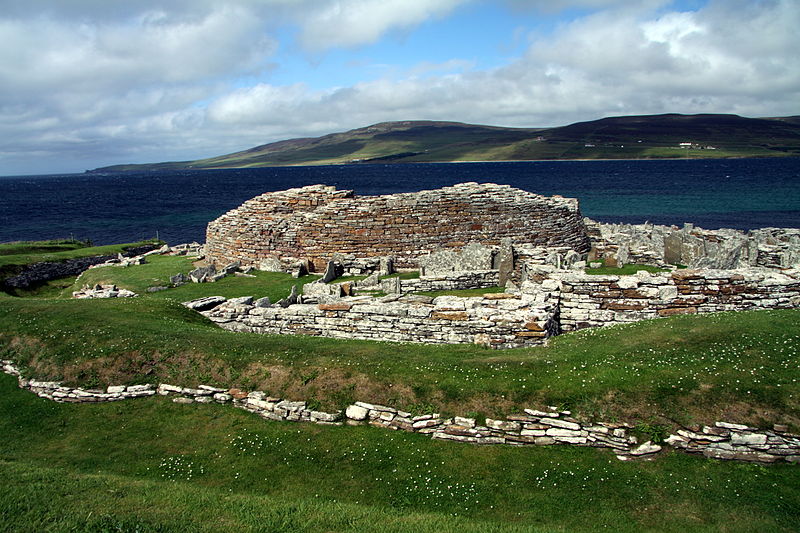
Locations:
{"points": [[695, 247], [102, 291], [557, 301], [533, 427]]}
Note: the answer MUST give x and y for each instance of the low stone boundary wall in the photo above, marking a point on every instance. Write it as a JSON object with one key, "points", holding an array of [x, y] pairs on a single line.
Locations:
{"points": [[495, 320], [536, 428], [740, 442], [595, 300]]}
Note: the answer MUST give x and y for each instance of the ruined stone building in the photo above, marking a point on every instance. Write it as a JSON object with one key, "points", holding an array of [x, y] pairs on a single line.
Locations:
{"points": [[314, 223]]}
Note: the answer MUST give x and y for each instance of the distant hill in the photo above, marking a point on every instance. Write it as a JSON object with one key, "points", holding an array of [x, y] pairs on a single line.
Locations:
{"points": [[631, 137]]}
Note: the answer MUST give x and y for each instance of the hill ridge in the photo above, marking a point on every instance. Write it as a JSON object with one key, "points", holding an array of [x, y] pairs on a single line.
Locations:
{"points": [[667, 135]]}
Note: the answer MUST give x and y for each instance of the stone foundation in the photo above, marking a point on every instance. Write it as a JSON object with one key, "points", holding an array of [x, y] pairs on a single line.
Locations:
{"points": [[494, 320], [694, 247]]}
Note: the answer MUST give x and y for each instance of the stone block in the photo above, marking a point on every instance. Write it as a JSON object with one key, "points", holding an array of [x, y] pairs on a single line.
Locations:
{"points": [[355, 412]]}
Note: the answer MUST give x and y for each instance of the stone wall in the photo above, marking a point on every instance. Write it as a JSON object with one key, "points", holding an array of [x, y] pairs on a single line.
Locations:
{"points": [[595, 300], [314, 223], [532, 428], [480, 279], [39, 273], [495, 320], [695, 247], [550, 302]]}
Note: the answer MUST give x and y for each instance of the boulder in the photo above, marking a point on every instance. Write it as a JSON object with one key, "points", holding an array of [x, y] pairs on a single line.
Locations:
{"points": [[332, 271], [202, 274]]}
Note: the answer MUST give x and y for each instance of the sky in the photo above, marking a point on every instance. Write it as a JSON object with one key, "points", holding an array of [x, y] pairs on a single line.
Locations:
{"points": [[89, 83]]}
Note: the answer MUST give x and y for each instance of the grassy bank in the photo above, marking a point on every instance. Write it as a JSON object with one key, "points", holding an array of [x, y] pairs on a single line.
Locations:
{"points": [[682, 370], [25, 253], [738, 366], [151, 465]]}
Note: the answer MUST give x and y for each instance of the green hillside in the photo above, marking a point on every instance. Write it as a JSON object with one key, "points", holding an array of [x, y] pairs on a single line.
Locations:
{"points": [[633, 137]]}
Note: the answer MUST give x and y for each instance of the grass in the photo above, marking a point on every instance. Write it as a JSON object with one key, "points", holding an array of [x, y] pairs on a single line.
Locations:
{"points": [[53, 245], [684, 369], [15, 256], [152, 465], [624, 271], [27, 253], [157, 271], [464, 293], [734, 366], [130, 467]]}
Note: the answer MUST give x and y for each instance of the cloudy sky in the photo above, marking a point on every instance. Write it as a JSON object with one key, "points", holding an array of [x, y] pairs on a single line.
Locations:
{"points": [[87, 83]]}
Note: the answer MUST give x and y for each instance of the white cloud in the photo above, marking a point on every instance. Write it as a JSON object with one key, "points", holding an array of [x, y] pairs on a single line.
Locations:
{"points": [[106, 82], [356, 22], [603, 64]]}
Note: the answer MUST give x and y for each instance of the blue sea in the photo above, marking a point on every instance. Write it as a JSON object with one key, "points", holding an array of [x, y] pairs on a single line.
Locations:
{"points": [[177, 205]]}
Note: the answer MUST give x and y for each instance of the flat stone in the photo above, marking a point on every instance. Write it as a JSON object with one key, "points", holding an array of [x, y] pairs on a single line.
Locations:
{"points": [[206, 303], [728, 425], [559, 432], [422, 424], [534, 412], [748, 439], [464, 422], [138, 388], [646, 448], [182, 399], [556, 422], [503, 425]]}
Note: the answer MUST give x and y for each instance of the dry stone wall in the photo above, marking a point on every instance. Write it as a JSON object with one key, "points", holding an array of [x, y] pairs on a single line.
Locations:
{"points": [[495, 320], [314, 223], [595, 300], [532, 428], [695, 247], [480, 279]]}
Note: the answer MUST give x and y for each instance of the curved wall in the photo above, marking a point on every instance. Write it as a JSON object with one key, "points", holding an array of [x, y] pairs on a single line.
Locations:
{"points": [[318, 221]]}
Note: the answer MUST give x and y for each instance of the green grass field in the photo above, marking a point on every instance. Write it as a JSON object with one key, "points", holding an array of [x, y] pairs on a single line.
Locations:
{"points": [[151, 465]]}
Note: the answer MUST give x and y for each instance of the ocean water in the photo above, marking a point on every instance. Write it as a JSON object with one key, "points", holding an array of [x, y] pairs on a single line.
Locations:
{"points": [[176, 206]]}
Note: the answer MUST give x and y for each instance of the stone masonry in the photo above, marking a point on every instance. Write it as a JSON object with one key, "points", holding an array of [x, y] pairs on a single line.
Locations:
{"points": [[494, 320], [587, 300], [694, 247], [312, 224], [532, 428]]}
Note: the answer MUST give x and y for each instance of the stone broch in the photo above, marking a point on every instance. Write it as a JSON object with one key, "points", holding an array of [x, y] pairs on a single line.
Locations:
{"points": [[312, 224]]}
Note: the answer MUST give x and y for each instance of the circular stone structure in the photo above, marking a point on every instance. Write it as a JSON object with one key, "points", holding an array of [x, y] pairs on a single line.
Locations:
{"points": [[313, 223]]}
